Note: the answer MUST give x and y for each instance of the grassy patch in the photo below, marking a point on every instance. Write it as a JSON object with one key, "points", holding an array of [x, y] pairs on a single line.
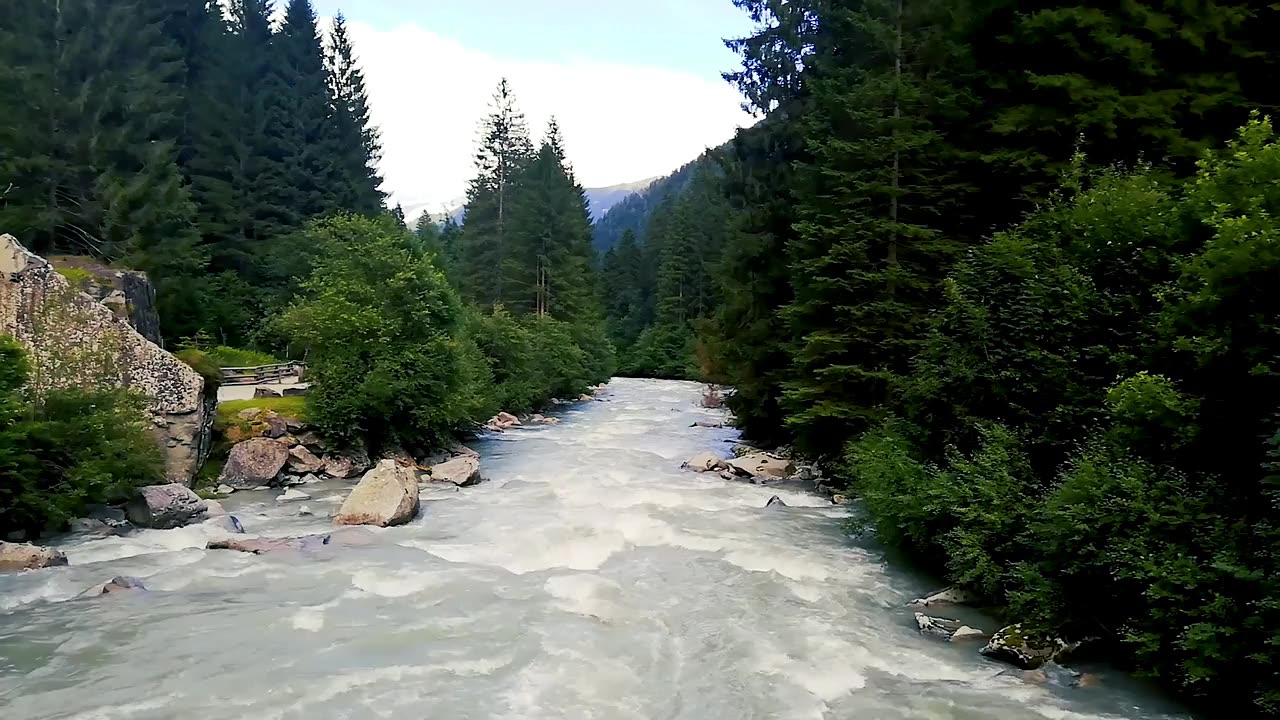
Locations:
{"points": [[203, 364], [74, 275], [289, 407], [235, 357]]}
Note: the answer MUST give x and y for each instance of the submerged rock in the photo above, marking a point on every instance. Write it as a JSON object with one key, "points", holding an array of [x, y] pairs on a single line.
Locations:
{"points": [[15, 557], [292, 495], [705, 462], [387, 495], [1025, 649], [714, 424], [463, 471], [347, 537], [254, 463], [122, 583], [163, 507], [775, 501]]}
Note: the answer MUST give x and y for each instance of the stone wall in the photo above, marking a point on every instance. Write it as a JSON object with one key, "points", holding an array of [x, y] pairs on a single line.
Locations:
{"points": [[75, 340]]}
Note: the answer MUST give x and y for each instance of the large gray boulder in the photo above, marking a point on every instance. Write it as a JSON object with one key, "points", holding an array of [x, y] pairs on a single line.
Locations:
{"points": [[463, 471], [24, 556], [946, 628], [760, 464], [254, 463], [81, 342], [387, 495], [948, 596], [165, 506], [705, 462], [347, 464]]}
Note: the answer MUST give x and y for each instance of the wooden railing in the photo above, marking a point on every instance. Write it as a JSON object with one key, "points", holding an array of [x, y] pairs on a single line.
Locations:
{"points": [[260, 374]]}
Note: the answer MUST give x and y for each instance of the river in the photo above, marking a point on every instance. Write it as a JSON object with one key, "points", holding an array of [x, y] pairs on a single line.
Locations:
{"points": [[590, 577]]}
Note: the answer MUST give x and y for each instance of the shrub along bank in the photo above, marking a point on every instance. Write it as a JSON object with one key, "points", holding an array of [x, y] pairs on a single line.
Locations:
{"points": [[1091, 433]]}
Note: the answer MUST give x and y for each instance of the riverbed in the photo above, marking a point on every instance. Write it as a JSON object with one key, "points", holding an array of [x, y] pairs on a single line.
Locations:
{"points": [[589, 577]]}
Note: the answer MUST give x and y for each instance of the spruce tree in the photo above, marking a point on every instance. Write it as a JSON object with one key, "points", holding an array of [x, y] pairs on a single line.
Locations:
{"points": [[304, 130], [505, 150], [354, 145]]}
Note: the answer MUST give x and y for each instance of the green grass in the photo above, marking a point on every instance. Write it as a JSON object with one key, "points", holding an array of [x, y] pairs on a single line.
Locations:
{"points": [[74, 275], [289, 407], [235, 357]]}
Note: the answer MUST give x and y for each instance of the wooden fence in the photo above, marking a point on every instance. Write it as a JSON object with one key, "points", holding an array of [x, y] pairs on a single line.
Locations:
{"points": [[260, 374]]}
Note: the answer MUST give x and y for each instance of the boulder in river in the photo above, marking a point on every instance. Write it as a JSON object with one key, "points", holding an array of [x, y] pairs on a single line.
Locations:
{"points": [[302, 460], [1025, 649], [714, 424], [292, 495], [254, 463], [760, 463], [387, 495], [122, 583], [948, 596], [163, 507], [946, 628], [348, 537], [463, 471], [24, 556], [705, 462], [775, 501]]}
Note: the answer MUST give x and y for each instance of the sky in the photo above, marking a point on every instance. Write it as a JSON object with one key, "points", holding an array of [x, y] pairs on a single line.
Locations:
{"points": [[634, 84]]}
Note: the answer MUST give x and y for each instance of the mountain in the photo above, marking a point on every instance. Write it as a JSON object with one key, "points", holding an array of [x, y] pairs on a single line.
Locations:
{"points": [[633, 211], [599, 199]]}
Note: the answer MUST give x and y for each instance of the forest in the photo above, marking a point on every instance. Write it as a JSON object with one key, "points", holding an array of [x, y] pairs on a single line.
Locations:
{"points": [[1003, 267]]}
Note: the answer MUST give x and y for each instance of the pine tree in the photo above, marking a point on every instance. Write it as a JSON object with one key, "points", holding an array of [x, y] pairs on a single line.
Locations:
{"points": [[505, 150], [354, 146], [304, 129]]}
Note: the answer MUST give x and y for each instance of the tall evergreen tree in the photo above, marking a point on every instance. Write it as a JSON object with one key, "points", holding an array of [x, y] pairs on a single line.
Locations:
{"points": [[355, 148], [505, 150], [305, 132]]}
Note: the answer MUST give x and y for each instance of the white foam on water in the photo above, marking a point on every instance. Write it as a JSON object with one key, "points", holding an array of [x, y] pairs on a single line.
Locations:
{"points": [[392, 583], [125, 710], [308, 618], [589, 595]]}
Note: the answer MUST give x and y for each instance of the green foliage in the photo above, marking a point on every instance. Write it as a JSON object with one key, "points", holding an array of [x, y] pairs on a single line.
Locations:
{"points": [[289, 407], [386, 361], [1093, 423], [75, 276], [204, 364], [237, 357], [73, 448]]}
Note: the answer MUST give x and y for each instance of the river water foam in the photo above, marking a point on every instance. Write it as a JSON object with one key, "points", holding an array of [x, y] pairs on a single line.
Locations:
{"points": [[588, 578]]}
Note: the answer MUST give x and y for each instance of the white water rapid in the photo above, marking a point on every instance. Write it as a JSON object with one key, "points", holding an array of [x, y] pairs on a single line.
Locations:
{"points": [[589, 577]]}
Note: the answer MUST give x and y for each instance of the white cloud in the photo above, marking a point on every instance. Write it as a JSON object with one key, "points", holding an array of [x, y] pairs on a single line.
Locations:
{"points": [[621, 122]]}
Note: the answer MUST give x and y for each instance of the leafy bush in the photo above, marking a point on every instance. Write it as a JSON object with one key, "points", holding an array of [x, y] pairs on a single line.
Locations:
{"points": [[1092, 434], [235, 357], [74, 448], [204, 364], [387, 363]]}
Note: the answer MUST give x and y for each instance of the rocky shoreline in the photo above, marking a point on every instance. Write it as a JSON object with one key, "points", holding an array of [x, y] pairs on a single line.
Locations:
{"points": [[273, 452]]}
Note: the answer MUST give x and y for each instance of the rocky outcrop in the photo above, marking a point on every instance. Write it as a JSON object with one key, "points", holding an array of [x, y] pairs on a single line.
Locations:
{"points": [[76, 341], [502, 421], [760, 464], [23, 556], [387, 495], [254, 463], [128, 294], [705, 462], [1025, 649], [463, 471], [165, 506]]}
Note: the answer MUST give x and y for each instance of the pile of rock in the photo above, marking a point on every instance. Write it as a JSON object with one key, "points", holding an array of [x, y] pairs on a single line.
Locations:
{"points": [[502, 421], [281, 451], [15, 557], [712, 397]]}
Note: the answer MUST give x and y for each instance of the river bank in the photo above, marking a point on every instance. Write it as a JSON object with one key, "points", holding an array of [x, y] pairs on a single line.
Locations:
{"points": [[589, 576]]}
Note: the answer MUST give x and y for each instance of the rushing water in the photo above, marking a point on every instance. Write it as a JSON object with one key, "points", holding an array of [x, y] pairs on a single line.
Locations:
{"points": [[589, 578]]}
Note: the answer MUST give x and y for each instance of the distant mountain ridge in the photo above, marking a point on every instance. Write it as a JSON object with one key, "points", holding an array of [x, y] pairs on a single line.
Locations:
{"points": [[600, 200], [632, 212]]}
